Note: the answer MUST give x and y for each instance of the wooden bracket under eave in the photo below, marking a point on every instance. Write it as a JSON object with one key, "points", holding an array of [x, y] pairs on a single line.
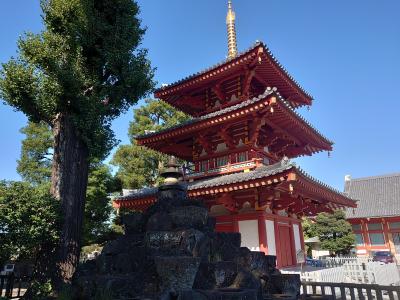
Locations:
{"points": [[292, 177]]}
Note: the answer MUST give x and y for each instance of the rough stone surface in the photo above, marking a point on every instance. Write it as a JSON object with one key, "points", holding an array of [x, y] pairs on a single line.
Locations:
{"points": [[133, 222], [184, 242], [224, 246], [160, 221], [219, 294], [177, 272], [189, 217], [172, 252], [288, 284], [225, 273]]}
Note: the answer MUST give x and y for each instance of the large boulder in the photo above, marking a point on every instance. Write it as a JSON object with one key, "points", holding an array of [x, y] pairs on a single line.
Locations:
{"points": [[288, 284], [189, 242], [246, 280], [160, 221], [224, 246], [225, 273], [215, 275], [124, 255], [189, 217], [219, 294], [133, 222], [177, 272]]}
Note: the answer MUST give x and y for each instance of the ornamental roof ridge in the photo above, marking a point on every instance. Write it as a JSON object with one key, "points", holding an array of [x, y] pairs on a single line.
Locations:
{"points": [[227, 60], [258, 173], [323, 184], [375, 177], [289, 106], [139, 193]]}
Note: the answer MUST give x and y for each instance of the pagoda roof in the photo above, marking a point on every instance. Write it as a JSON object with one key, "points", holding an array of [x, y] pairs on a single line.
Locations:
{"points": [[281, 107], [271, 70], [261, 176]]}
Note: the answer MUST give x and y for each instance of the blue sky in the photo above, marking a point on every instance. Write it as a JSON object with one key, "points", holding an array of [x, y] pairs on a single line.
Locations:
{"points": [[345, 53]]}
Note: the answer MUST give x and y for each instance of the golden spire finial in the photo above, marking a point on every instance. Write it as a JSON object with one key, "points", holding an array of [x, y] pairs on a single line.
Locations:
{"points": [[230, 23]]}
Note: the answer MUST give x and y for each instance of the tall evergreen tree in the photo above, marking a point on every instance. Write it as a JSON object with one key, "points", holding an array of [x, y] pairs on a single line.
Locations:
{"points": [[80, 73], [34, 166], [139, 166]]}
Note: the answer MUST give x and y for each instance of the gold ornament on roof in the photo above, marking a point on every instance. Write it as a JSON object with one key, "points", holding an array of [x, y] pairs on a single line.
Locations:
{"points": [[230, 23]]}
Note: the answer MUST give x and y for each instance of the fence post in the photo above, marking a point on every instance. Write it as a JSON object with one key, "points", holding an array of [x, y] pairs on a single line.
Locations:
{"points": [[10, 285]]}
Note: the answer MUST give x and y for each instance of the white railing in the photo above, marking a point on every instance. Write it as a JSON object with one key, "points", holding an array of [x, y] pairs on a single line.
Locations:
{"points": [[387, 274], [354, 272], [331, 262], [349, 291]]}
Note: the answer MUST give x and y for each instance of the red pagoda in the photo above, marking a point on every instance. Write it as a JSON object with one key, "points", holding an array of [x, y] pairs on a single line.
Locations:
{"points": [[240, 141]]}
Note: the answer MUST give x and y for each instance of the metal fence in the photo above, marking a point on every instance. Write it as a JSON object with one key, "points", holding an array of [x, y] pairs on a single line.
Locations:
{"points": [[13, 287]]}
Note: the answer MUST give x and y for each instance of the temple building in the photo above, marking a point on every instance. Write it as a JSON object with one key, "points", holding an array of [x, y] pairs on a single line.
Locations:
{"points": [[376, 220], [244, 131]]}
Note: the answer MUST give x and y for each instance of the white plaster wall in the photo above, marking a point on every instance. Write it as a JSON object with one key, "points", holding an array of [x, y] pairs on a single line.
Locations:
{"points": [[316, 254], [297, 241], [270, 237], [249, 232]]}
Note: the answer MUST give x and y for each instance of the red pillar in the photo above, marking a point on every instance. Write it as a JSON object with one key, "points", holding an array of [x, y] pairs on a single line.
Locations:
{"points": [[277, 245], [292, 243], [367, 242], [235, 224], [385, 227], [303, 247], [262, 234]]}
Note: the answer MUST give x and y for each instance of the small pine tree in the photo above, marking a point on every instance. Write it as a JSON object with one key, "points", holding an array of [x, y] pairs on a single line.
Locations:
{"points": [[139, 166], [334, 232]]}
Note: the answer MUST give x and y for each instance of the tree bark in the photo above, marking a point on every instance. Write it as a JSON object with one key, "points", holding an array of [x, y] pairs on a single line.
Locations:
{"points": [[68, 184]]}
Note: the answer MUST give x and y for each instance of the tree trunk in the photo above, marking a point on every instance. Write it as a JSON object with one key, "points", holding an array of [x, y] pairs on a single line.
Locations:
{"points": [[68, 184]]}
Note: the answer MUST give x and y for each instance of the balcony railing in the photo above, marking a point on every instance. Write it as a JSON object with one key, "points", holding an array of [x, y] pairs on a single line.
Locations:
{"points": [[229, 168]]}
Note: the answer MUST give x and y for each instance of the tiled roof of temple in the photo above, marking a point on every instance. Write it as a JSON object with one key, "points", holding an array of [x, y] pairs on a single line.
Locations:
{"points": [[378, 196]]}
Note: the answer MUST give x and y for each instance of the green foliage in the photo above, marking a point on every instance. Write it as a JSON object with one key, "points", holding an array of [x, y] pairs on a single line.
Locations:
{"points": [[86, 63], [40, 291], [98, 206], [334, 232], [154, 116], [34, 165], [139, 166], [308, 229], [29, 218]]}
